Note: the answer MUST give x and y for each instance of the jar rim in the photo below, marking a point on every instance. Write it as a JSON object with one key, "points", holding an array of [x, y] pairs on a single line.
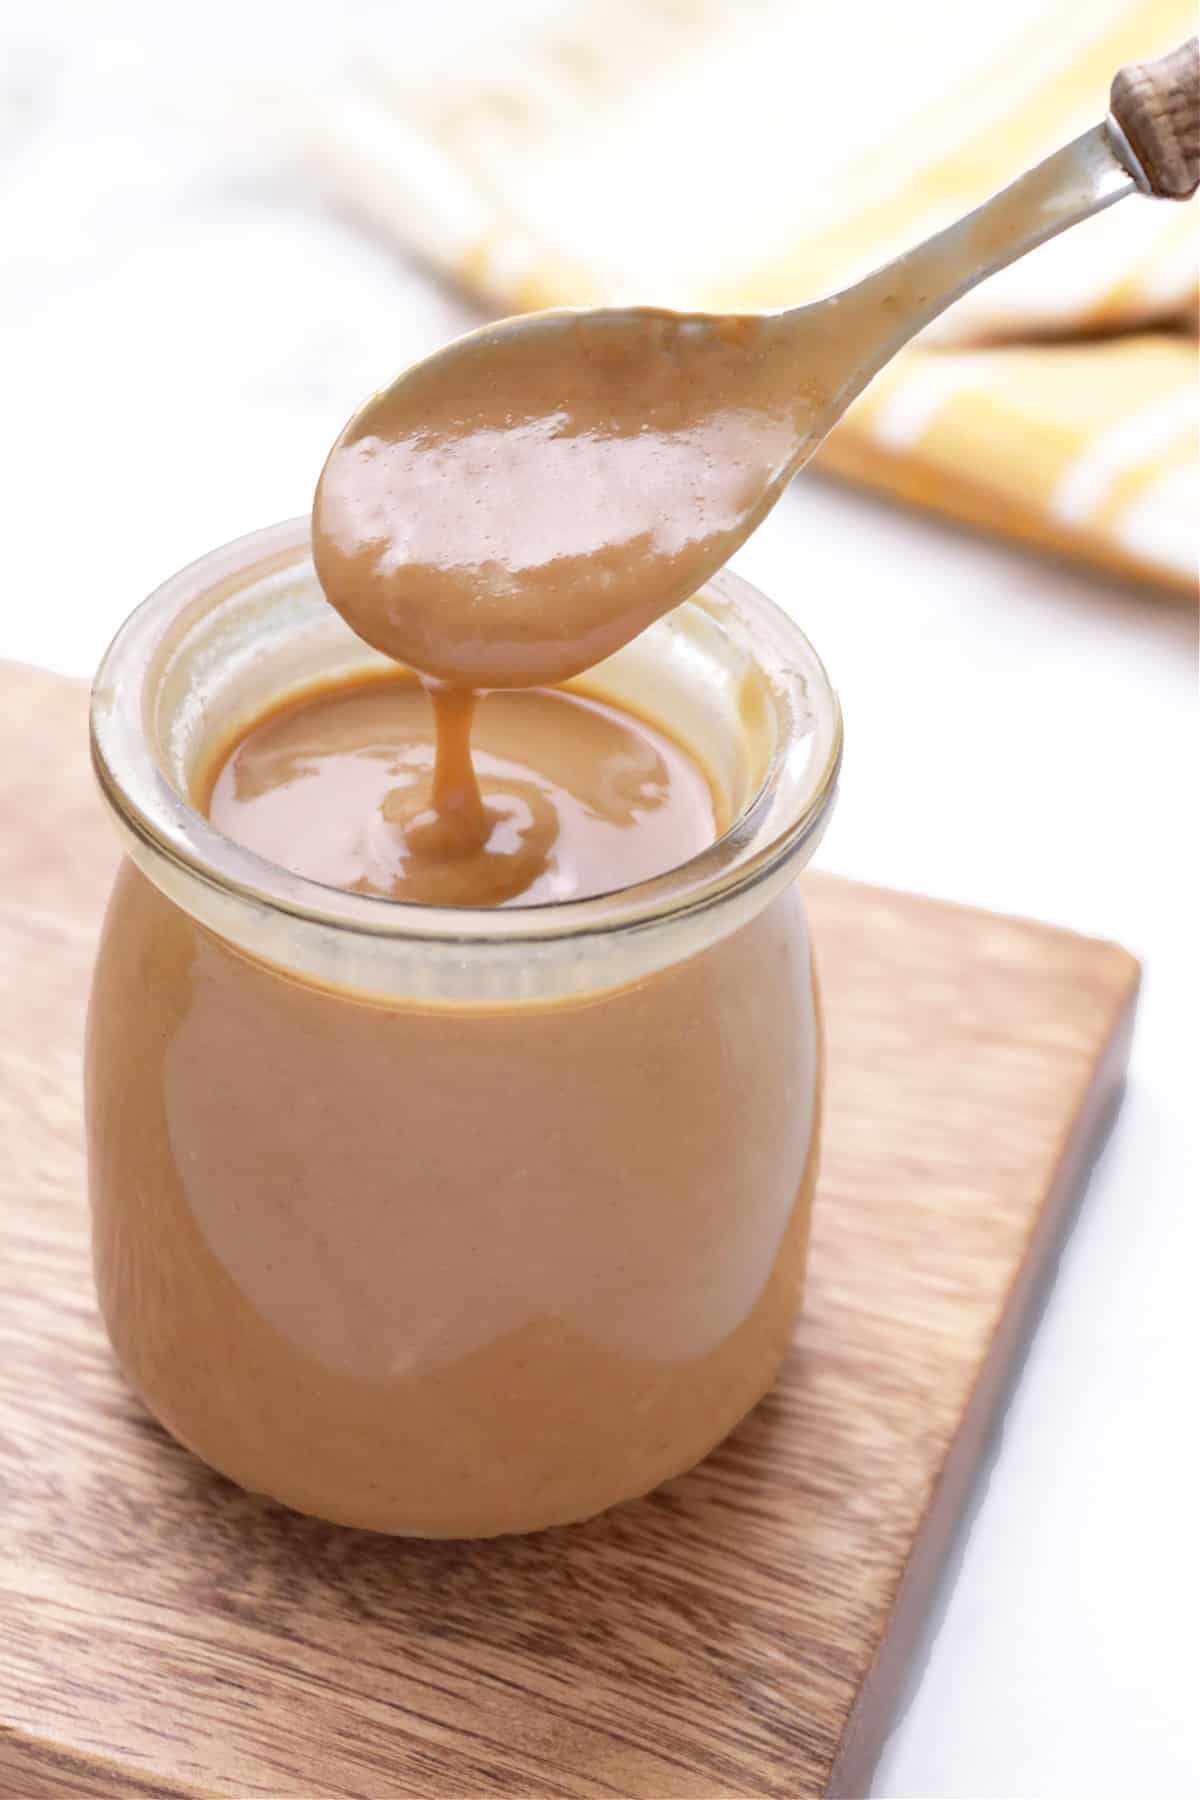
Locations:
{"points": [[158, 818]]}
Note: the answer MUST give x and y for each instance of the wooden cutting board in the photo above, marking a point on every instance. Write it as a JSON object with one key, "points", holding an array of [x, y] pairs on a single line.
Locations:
{"points": [[743, 1631]]}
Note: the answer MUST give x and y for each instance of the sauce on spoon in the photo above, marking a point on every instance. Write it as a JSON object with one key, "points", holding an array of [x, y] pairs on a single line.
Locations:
{"points": [[519, 506]]}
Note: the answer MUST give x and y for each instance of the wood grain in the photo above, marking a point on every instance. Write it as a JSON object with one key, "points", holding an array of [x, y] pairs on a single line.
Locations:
{"points": [[740, 1633]]}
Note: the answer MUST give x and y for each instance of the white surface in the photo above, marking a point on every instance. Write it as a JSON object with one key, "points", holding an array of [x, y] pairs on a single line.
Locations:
{"points": [[1021, 736]]}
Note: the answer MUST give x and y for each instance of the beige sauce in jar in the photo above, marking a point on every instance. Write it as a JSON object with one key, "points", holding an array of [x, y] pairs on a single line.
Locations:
{"points": [[456, 1270]]}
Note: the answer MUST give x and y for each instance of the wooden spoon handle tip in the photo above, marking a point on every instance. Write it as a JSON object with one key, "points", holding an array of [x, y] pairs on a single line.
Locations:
{"points": [[1157, 106]]}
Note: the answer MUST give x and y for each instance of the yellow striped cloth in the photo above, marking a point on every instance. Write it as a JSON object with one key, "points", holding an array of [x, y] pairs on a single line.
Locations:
{"points": [[757, 153]]}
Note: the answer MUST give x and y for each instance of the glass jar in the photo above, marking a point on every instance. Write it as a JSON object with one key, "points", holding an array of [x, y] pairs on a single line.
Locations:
{"points": [[450, 1222]]}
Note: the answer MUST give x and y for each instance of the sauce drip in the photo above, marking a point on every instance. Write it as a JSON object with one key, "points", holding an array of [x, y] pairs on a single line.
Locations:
{"points": [[520, 506]]}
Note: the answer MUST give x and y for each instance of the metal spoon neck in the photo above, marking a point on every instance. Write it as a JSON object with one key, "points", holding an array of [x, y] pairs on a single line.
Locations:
{"points": [[888, 307]]}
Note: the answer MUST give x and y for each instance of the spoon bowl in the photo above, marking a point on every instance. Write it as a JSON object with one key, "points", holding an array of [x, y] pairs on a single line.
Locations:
{"points": [[521, 503]]}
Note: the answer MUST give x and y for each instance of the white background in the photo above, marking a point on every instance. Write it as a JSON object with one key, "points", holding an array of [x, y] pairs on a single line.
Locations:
{"points": [[182, 330]]}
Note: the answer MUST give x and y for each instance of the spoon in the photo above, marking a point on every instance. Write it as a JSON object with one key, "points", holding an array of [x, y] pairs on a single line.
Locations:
{"points": [[524, 502]]}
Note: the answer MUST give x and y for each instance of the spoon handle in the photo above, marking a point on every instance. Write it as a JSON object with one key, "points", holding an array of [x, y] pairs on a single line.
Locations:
{"points": [[1150, 142]]}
